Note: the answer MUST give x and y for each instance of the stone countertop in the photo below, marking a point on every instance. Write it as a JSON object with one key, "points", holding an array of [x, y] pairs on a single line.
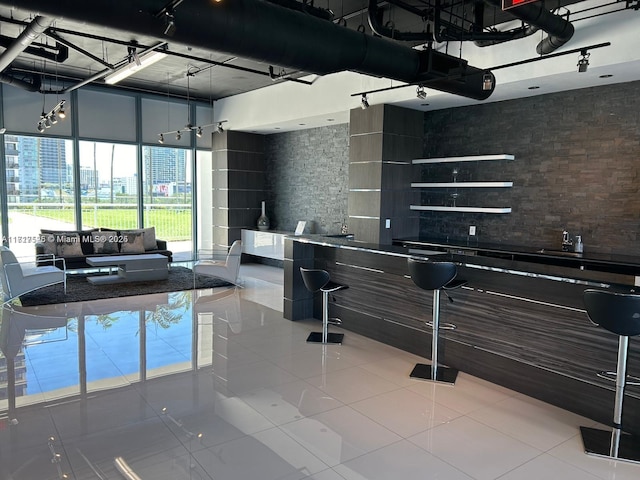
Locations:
{"points": [[594, 269]]}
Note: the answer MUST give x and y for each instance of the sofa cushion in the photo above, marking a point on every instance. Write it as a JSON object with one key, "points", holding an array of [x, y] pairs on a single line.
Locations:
{"points": [[105, 241], [132, 242]]}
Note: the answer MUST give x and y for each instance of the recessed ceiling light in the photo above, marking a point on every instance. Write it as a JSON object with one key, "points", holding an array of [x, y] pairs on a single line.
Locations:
{"points": [[533, 87], [424, 104], [276, 128], [302, 124], [330, 119], [606, 75]]}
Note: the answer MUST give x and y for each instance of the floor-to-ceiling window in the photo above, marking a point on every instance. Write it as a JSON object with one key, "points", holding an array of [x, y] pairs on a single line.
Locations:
{"points": [[40, 189], [167, 197], [108, 185], [101, 166]]}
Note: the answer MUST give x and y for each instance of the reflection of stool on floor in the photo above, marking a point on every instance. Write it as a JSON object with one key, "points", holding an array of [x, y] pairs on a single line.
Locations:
{"points": [[619, 314], [318, 280], [434, 276]]}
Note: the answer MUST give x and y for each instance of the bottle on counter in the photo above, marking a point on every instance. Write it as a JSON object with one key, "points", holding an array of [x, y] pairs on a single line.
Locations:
{"points": [[579, 246]]}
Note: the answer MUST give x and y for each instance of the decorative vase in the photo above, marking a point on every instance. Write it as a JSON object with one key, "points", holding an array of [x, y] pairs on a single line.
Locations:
{"points": [[263, 220]]}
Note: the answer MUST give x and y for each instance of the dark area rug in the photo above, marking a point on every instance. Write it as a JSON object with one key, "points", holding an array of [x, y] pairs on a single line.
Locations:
{"points": [[79, 289]]}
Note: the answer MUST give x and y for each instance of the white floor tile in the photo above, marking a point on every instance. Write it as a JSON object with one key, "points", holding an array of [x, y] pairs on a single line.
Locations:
{"points": [[352, 384], [339, 435], [536, 423], [405, 412], [402, 460], [478, 450]]}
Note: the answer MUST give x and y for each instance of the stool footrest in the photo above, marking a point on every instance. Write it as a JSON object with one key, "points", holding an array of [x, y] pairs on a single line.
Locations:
{"points": [[334, 321], [443, 326], [443, 375], [611, 376], [599, 443]]}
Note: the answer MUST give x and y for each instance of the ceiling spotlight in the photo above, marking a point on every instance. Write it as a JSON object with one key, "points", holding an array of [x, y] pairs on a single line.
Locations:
{"points": [[47, 122], [40, 127], [487, 81], [170, 20], [421, 93], [61, 113], [583, 61], [178, 135], [364, 102], [54, 119], [161, 138], [219, 128], [3, 130], [199, 132]]}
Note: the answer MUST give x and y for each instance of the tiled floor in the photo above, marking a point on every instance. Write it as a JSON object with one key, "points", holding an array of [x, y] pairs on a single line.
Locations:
{"points": [[216, 384]]}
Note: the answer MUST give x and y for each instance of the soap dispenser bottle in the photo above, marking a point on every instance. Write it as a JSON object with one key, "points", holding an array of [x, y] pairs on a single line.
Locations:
{"points": [[579, 246]]}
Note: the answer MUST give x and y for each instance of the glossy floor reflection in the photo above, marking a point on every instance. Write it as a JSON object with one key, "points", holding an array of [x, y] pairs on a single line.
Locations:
{"points": [[215, 384]]}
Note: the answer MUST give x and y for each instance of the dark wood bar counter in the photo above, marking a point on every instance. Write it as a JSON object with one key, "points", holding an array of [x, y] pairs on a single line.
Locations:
{"points": [[520, 319]]}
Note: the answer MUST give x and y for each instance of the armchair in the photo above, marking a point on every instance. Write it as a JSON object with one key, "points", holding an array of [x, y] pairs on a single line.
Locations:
{"points": [[19, 278], [226, 269]]}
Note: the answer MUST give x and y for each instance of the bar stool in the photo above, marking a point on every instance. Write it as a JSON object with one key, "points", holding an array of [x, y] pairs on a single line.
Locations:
{"points": [[435, 276], [319, 280], [620, 314]]}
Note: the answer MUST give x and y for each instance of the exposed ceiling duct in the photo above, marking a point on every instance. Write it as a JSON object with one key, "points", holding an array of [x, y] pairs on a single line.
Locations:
{"points": [[19, 45], [269, 33], [559, 30]]}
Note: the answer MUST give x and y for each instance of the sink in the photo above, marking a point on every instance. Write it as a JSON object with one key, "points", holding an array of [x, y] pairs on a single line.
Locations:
{"points": [[348, 236], [560, 253]]}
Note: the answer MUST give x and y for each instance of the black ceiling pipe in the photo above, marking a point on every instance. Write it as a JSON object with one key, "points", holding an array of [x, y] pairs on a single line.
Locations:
{"points": [[32, 86], [264, 32], [558, 29]]}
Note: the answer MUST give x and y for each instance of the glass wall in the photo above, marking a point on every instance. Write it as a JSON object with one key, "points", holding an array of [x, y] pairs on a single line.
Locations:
{"points": [[167, 197], [125, 179], [40, 189], [108, 185]]}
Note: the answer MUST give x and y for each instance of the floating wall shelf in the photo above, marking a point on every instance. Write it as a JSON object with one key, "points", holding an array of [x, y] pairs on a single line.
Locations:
{"points": [[471, 158], [462, 184], [460, 209]]}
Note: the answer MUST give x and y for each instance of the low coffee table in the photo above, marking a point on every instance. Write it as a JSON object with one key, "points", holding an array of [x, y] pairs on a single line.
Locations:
{"points": [[131, 268]]}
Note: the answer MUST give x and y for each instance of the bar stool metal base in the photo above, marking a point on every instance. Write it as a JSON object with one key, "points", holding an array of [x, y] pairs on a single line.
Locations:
{"points": [[443, 374], [333, 338], [602, 443]]}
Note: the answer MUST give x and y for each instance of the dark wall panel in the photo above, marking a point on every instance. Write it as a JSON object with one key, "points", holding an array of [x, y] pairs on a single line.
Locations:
{"points": [[576, 167]]}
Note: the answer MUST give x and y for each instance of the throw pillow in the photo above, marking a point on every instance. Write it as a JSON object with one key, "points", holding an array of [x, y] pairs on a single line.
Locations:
{"points": [[48, 241], [149, 236], [105, 241], [69, 245], [132, 242]]}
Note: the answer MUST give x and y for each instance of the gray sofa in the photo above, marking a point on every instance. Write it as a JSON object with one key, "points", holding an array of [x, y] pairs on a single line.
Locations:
{"points": [[76, 245]]}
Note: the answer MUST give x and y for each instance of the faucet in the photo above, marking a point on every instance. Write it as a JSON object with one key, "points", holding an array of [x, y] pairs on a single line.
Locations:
{"points": [[567, 243]]}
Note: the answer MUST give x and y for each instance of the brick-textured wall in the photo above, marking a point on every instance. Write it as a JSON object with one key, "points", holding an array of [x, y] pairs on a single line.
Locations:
{"points": [[308, 178], [577, 167]]}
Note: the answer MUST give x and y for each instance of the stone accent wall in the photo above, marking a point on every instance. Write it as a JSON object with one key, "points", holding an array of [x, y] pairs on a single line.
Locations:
{"points": [[308, 178], [577, 167]]}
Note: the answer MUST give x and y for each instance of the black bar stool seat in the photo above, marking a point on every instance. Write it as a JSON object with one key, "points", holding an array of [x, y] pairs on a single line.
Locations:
{"points": [[435, 276], [620, 314], [316, 280]]}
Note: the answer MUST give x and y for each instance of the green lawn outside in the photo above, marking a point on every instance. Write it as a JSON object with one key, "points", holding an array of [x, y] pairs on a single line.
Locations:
{"points": [[171, 224]]}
